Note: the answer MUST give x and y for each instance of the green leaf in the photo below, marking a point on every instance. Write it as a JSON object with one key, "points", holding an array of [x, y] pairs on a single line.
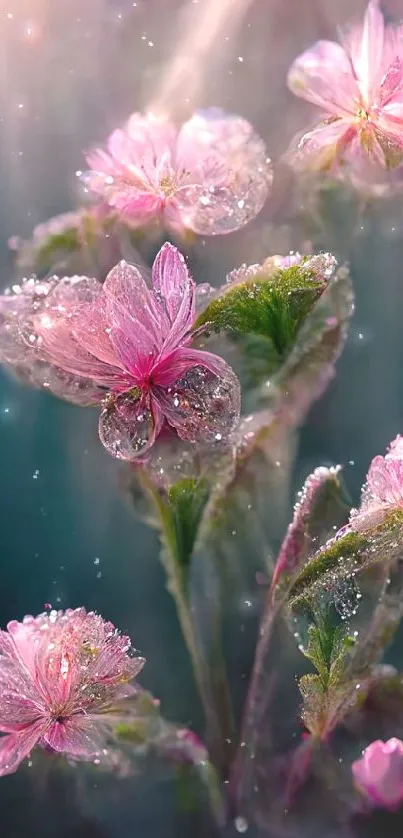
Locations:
{"points": [[264, 311], [186, 501], [342, 559], [319, 508]]}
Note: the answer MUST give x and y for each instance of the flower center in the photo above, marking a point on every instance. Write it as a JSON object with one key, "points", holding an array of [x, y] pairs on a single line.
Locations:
{"points": [[168, 186]]}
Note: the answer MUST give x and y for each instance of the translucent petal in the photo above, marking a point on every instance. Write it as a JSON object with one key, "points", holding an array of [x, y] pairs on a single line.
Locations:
{"points": [[229, 176], [153, 137], [16, 746], [56, 345], [322, 147], [205, 403], [323, 75], [171, 280], [385, 480], [77, 736], [128, 428], [138, 322], [365, 44]]}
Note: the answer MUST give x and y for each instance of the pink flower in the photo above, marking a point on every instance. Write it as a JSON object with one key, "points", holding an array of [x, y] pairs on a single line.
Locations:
{"points": [[383, 489], [125, 347], [212, 176], [379, 773], [62, 675], [359, 86]]}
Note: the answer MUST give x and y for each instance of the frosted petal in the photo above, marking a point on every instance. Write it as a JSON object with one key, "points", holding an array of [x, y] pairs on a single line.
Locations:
{"points": [[78, 736], [138, 323], [230, 172], [323, 75], [128, 428], [16, 746], [204, 404], [172, 281]]}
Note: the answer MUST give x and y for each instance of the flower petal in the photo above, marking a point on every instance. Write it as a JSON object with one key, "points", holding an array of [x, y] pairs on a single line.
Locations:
{"points": [[365, 46], [323, 75], [321, 148], [385, 480], [20, 701], [138, 322], [229, 172], [128, 428], [152, 138], [78, 736], [172, 281], [204, 404], [16, 746]]}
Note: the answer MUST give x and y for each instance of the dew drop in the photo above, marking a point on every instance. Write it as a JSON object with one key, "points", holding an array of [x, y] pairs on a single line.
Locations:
{"points": [[241, 824]]}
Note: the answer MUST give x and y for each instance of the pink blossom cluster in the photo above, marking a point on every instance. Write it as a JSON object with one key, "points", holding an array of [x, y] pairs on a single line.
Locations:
{"points": [[210, 176], [126, 347], [358, 85], [63, 675]]}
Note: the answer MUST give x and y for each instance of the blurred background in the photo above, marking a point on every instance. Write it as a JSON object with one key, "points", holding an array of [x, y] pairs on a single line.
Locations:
{"points": [[70, 71]]}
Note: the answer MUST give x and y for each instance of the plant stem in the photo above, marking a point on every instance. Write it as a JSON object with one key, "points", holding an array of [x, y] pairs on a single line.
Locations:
{"points": [[210, 676]]}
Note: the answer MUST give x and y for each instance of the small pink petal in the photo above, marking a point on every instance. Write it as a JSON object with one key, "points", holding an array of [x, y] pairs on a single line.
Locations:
{"points": [[128, 428], [204, 404], [365, 44], [228, 184], [323, 75], [385, 480], [321, 148], [78, 736], [137, 320], [379, 773], [154, 136], [172, 281], [14, 747]]}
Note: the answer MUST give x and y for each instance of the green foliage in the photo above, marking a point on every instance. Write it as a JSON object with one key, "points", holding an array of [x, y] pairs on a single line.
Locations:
{"points": [[180, 509], [186, 502], [345, 557], [65, 242], [264, 312], [327, 694]]}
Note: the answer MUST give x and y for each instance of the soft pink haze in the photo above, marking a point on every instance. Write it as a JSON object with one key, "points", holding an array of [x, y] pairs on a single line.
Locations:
{"points": [[210, 176], [126, 347], [358, 84], [62, 674], [379, 773]]}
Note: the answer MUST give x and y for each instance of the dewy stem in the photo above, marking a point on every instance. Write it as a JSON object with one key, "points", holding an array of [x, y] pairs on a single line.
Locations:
{"points": [[211, 680]]}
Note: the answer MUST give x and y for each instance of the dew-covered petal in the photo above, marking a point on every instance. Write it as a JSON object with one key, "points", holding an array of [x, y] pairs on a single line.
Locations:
{"points": [[20, 701], [137, 321], [78, 736], [228, 171], [385, 479], [322, 147], [204, 404], [113, 664], [90, 329], [323, 75], [128, 428], [57, 345], [365, 45], [172, 281], [14, 747], [153, 138], [378, 774]]}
